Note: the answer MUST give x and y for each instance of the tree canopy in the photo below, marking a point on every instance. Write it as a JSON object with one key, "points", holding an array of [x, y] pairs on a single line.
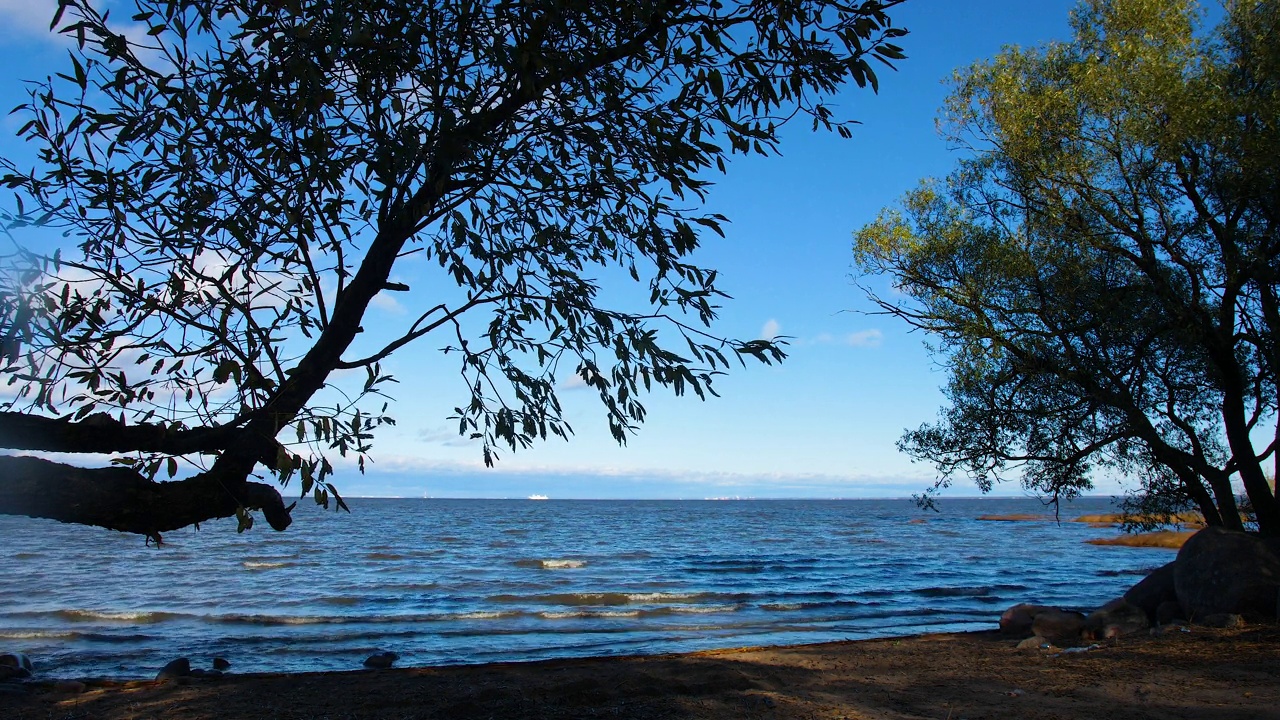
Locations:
{"points": [[1100, 272], [222, 187]]}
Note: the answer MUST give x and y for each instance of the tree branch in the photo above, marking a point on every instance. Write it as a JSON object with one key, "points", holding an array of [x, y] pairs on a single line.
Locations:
{"points": [[120, 499]]}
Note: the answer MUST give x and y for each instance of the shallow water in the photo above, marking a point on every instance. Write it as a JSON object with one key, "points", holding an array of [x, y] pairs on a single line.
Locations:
{"points": [[470, 581]]}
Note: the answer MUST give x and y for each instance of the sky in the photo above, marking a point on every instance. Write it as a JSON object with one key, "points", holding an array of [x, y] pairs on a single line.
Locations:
{"points": [[822, 424]]}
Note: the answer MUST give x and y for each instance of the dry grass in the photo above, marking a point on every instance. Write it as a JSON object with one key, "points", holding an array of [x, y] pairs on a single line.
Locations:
{"points": [[1189, 519]]}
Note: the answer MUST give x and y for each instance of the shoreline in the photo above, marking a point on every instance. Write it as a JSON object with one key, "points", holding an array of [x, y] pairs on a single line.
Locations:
{"points": [[1199, 673]]}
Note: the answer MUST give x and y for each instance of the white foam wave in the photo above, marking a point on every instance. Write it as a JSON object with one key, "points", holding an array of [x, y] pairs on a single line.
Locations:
{"points": [[657, 597], [563, 614], [703, 609], [484, 615], [37, 634], [264, 565], [117, 615], [557, 564]]}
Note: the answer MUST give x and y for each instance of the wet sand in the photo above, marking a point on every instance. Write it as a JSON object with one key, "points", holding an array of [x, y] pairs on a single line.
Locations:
{"points": [[1204, 674]]}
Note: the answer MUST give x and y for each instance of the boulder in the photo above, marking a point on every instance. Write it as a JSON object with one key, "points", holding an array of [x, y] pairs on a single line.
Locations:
{"points": [[1219, 571], [222, 664], [1115, 619], [17, 661], [1222, 620], [1017, 619], [1169, 611], [1156, 588], [382, 660], [1060, 627], [179, 668]]}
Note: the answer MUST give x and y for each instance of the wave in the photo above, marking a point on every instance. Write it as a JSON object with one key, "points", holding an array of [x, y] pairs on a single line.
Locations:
{"points": [[695, 609], [384, 556], [563, 614], [483, 615], [39, 634], [955, 591], [342, 600], [265, 565], [128, 616], [785, 606], [599, 598], [73, 635], [551, 564]]}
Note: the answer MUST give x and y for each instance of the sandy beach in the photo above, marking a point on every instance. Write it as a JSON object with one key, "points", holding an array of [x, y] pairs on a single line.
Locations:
{"points": [[1199, 673]]}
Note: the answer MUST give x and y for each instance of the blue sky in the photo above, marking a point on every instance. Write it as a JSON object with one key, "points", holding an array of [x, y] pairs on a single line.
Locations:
{"points": [[824, 423]]}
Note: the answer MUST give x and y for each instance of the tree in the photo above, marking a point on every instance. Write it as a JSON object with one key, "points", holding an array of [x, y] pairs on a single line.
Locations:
{"points": [[1100, 274], [234, 181]]}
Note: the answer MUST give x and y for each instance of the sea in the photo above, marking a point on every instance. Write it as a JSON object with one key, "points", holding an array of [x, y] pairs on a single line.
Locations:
{"points": [[474, 581]]}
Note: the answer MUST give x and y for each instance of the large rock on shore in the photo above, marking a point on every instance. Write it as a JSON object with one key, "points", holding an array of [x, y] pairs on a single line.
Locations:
{"points": [[1017, 620], [1153, 590], [1219, 571], [15, 666], [1115, 619], [179, 668], [1060, 627]]}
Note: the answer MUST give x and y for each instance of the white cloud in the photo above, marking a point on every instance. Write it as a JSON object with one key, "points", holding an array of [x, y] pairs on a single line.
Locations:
{"points": [[865, 338], [386, 302], [572, 382], [770, 329], [871, 338], [27, 17], [446, 436]]}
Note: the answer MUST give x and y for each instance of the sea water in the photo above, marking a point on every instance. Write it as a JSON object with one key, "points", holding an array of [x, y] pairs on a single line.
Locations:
{"points": [[473, 581]]}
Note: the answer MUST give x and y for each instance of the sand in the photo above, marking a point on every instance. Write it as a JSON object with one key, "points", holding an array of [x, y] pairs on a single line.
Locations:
{"points": [[1203, 673]]}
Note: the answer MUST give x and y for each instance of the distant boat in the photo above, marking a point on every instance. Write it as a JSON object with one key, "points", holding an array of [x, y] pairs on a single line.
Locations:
{"points": [[538, 497]]}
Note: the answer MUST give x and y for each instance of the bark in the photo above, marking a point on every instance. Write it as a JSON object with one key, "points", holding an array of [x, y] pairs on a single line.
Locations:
{"points": [[119, 498], [101, 433]]}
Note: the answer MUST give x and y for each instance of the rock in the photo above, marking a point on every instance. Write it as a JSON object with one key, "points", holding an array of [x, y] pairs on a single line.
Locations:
{"points": [[1169, 611], [17, 661], [8, 672], [1154, 589], [382, 660], [1115, 619], [221, 664], [179, 668], [71, 687], [1035, 643], [1219, 571], [202, 673], [1060, 627], [1017, 619], [1222, 620]]}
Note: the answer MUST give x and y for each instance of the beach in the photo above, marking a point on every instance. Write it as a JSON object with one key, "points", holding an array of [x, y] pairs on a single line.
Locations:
{"points": [[1201, 673]]}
